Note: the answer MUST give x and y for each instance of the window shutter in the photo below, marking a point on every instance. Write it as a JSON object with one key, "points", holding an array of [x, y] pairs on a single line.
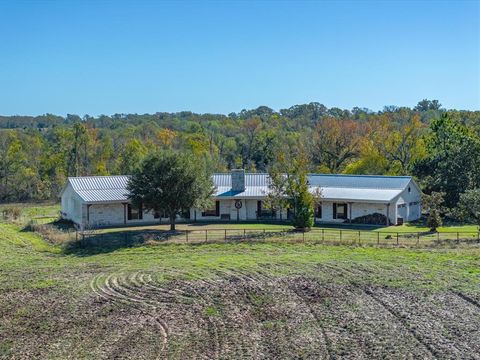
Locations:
{"points": [[217, 208], [334, 210], [259, 208]]}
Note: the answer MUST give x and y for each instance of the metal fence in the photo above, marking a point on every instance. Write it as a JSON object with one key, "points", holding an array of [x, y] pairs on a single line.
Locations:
{"points": [[315, 236]]}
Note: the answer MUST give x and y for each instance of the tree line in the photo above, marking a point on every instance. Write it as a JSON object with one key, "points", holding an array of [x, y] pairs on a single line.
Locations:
{"points": [[439, 147]]}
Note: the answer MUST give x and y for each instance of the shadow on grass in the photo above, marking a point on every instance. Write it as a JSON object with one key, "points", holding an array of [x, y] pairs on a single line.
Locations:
{"points": [[259, 223], [100, 243], [348, 226]]}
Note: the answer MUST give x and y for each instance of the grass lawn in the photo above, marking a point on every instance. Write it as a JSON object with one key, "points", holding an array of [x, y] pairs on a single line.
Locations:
{"points": [[406, 228], [41, 212], [254, 300], [421, 228]]}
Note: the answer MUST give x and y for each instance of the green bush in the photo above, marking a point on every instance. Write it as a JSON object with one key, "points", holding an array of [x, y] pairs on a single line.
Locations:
{"points": [[11, 212]]}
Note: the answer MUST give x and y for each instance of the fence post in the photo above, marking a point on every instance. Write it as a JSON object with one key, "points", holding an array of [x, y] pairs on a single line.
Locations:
{"points": [[186, 234], [244, 234], [225, 235], [358, 237], [206, 235], [438, 236], [478, 236], [303, 236], [418, 238], [397, 238], [458, 237], [323, 235], [340, 235], [378, 238]]}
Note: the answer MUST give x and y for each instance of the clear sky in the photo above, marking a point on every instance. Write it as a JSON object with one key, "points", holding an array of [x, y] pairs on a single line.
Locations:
{"points": [[105, 57]]}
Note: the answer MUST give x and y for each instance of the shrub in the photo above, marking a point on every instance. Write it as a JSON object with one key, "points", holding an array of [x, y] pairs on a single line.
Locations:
{"points": [[371, 219], [11, 212], [433, 204], [51, 233]]}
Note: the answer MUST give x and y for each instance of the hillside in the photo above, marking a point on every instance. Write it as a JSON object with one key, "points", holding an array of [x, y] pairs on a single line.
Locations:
{"points": [[38, 153]]}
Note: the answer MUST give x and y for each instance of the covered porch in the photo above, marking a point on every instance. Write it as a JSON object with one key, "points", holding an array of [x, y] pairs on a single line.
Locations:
{"points": [[355, 212]]}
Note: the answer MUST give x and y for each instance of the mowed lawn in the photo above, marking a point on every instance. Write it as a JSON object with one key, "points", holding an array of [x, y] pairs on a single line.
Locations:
{"points": [[45, 213], [230, 300]]}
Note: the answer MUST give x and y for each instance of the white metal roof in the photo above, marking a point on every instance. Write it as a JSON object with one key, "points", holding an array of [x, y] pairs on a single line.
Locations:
{"points": [[100, 188], [367, 188]]}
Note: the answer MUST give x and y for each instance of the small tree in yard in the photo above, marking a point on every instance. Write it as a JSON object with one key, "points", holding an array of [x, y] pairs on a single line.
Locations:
{"points": [[171, 182], [289, 187], [468, 208], [302, 201], [433, 204], [275, 198]]}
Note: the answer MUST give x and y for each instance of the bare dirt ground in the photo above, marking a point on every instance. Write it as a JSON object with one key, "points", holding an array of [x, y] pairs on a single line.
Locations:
{"points": [[236, 301], [237, 315]]}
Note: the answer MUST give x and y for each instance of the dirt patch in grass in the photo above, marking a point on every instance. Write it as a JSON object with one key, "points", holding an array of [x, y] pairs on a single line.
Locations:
{"points": [[236, 314]]}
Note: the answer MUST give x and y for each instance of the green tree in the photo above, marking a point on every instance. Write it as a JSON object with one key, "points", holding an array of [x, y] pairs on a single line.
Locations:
{"points": [[452, 162], [468, 208], [132, 156], [79, 143], [289, 185], [433, 205], [171, 183], [426, 105]]}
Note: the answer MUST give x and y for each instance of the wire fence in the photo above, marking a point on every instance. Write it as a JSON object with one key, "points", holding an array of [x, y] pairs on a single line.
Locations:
{"points": [[315, 236]]}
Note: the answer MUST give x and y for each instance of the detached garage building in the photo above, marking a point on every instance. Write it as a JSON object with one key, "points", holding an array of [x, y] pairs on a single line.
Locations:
{"points": [[103, 200]]}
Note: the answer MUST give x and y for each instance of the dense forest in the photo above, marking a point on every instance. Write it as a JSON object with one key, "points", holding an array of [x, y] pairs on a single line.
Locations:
{"points": [[440, 147]]}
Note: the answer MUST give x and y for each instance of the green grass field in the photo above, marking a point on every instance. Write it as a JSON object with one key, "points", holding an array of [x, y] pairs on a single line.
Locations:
{"points": [[255, 300]]}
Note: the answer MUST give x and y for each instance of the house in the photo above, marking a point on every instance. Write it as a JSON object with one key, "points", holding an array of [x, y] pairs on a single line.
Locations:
{"points": [[239, 196]]}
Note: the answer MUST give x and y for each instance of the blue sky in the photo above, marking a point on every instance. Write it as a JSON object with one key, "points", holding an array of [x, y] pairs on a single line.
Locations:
{"points": [[105, 57]]}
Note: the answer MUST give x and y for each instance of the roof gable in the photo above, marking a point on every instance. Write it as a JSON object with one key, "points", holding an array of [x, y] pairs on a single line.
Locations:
{"points": [[100, 188]]}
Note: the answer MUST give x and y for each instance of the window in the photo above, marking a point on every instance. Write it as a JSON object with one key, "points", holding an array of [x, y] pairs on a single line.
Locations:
{"points": [[290, 213], [134, 213], [401, 206], [264, 213], [339, 211], [214, 211], [159, 214], [319, 211]]}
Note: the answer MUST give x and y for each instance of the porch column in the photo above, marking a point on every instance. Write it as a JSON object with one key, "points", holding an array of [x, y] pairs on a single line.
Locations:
{"points": [[124, 213], [350, 212], [88, 213], [388, 214]]}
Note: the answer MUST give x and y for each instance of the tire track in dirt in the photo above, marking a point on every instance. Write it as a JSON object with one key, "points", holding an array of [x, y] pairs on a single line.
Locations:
{"points": [[467, 299], [183, 292], [260, 280], [108, 288], [432, 351], [319, 321]]}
